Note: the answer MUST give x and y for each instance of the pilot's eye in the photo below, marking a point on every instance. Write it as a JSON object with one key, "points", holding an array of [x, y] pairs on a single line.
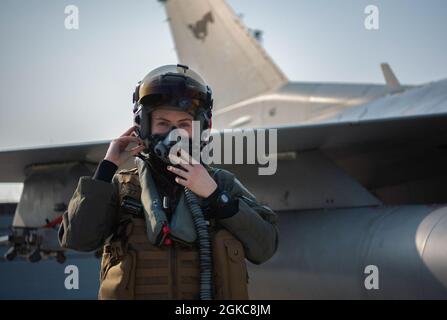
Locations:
{"points": [[185, 125]]}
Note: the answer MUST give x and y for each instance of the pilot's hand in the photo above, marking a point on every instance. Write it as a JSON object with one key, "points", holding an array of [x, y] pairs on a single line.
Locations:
{"points": [[194, 176], [117, 152]]}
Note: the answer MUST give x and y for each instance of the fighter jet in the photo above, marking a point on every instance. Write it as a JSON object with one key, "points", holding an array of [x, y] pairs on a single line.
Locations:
{"points": [[360, 181]]}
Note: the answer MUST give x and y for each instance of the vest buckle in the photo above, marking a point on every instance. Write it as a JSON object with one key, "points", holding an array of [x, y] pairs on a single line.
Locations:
{"points": [[132, 206]]}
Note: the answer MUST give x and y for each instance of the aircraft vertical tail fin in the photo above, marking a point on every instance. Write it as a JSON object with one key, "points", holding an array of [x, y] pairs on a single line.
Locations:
{"points": [[390, 78], [210, 38]]}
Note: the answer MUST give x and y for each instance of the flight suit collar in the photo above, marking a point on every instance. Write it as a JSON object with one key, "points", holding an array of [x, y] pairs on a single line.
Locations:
{"points": [[181, 225]]}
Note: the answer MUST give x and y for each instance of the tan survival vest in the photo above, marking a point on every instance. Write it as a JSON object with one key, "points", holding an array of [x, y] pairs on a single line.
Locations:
{"points": [[133, 268]]}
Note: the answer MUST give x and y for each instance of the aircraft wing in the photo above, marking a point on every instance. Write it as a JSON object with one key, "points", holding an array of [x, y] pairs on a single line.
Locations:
{"points": [[426, 129], [13, 162], [391, 150], [359, 133], [357, 163], [327, 165]]}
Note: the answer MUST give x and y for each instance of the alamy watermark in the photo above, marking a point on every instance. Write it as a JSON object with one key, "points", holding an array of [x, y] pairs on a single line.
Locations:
{"points": [[372, 279], [72, 280], [71, 21], [372, 17], [234, 144]]}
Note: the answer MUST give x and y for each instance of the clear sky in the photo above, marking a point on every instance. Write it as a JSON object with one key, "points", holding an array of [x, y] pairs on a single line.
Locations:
{"points": [[67, 86]]}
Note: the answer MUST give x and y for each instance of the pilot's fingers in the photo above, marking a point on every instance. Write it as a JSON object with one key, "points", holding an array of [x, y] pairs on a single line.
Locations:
{"points": [[182, 181], [125, 140], [180, 161], [187, 157], [128, 131], [179, 172], [136, 150]]}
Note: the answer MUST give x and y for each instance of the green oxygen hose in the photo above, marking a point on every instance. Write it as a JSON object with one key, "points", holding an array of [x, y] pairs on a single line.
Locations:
{"points": [[206, 262]]}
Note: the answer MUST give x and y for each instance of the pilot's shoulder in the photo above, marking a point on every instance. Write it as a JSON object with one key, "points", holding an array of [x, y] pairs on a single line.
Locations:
{"points": [[126, 175], [128, 171]]}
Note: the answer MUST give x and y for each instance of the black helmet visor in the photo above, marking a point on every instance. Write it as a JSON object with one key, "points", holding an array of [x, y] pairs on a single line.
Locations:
{"points": [[174, 90]]}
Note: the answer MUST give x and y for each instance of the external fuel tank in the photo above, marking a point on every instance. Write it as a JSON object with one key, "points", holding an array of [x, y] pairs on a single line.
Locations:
{"points": [[328, 254]]}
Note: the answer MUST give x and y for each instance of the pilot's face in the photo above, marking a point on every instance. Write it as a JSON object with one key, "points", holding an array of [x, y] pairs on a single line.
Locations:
{"points": [[163, 120]]}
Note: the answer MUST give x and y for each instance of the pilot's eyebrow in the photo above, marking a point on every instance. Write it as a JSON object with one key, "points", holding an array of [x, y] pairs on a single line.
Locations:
{"points": [[160, 118], [186, 119]]}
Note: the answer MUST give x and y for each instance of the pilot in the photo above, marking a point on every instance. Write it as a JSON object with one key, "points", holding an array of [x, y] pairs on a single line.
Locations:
{"points": [[168, 229]]}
